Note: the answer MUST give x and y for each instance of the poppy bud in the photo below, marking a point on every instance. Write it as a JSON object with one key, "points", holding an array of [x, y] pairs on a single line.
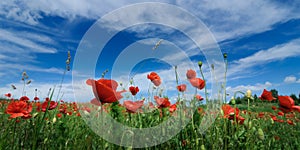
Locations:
{"points": [[202, 147], [225, 55], [28, 82], [248, 94], [232, 101], [13, 86], [261, 135], [54, 120], [212, 66], [200, 64]]}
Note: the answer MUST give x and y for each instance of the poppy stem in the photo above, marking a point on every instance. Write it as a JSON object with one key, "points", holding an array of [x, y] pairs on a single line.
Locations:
{"points": [[205, 89]]}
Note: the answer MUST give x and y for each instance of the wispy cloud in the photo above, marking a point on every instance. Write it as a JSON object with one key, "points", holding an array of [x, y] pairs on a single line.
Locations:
{"points": [[276, 53]]}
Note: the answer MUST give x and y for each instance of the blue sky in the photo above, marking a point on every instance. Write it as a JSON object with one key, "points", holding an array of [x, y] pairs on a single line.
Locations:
{"points": [[262, 39]]}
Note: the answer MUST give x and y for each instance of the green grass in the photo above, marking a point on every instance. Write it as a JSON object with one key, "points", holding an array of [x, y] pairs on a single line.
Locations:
{"points": [[71, 132]]}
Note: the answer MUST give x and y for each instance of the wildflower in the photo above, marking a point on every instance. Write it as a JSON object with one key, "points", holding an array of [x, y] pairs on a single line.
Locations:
{"points": [[261, 114], [36, 98], [267, 95], [24, 98], [132, 107], [134, 90], [59, 115], [199, 97], [181, 88], [274, 107], [52, 105], [290, 122], [173, 108], [19, 109], [197, 83], [7, 95], [95, 102], [154, 78], [190, 74], [280, 113], [232, 113], [162, 102], [105, 90], [286, 103]]}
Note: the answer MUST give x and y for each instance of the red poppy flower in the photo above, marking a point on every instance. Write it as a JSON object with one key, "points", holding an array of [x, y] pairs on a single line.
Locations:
{"points": [[134, 90], [105, 90], [19, 109], [59, 115], [290, 122], [190, 74], [172, 108], [132, 107], [36, 98], [7, 95], [274, 107], [197, 83], [95, 102], [232, 113], [154, 78], [280, 113], [267, 95], [286, 103], [274, 118], [181, 88], [24, 98], [261, 114], [162, 102], [52, 105], [199, 97], [296, 108]]}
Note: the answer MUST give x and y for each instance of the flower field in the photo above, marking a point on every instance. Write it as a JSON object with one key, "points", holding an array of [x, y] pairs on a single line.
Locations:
{"points": [[266, 122]]}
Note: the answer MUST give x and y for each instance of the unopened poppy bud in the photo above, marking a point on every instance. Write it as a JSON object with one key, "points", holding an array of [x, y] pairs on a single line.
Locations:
{"points": [[28, 82], [54, 120], [212, 66], [232, 100], [131, 81], [248, 94], [13, 86], [225, 55], [202, 147], [261, 134], [200, 63]]}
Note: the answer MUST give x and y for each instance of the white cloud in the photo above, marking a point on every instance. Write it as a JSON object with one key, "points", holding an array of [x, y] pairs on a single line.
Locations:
{"points": [[276, 53], [226, 19], [290, 79], [258, 87]]}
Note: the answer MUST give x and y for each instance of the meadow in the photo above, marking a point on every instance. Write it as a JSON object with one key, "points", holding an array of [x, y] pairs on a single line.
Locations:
{"points": [[265, 122]]}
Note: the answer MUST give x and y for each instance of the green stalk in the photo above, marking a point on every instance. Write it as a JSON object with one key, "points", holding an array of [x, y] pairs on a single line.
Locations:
{"points": [[205, 88]]}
